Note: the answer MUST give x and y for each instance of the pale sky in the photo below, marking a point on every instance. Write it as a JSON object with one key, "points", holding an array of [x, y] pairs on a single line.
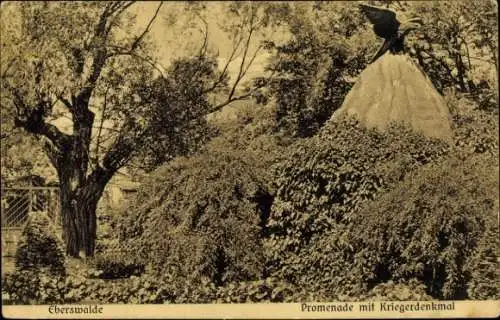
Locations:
{"points": [[178, 41]]}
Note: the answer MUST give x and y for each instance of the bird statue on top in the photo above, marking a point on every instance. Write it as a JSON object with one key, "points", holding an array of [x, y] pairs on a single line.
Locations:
{"points": [[385, 25], [392, 87]]}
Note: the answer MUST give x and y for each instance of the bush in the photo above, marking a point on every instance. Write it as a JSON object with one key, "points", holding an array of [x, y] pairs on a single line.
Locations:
{"points": [[167, 289], [200, 217], [39, 246], [107, 218], [111, 261], [314, 68], [326, 179], [135, 290], [484, 266], [268, 290], [40, 265], [34, 287], [475, 131], [426, 228]]}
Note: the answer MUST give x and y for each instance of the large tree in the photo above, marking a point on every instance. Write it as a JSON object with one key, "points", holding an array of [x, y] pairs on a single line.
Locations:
{"points": [[92, 63]]}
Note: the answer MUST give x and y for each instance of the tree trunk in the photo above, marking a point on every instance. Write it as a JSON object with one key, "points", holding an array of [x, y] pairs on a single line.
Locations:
{"points": [[78, 210]]}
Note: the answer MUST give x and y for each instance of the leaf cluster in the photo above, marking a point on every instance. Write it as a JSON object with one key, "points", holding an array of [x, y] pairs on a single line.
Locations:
{"points": [[39, 246], [175, 107], [427, 227], [39, 264], [324, 181], [199, 217]]}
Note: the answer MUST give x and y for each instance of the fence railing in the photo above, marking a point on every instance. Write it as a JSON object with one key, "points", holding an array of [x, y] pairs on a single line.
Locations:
{"points": [[18, 202]]}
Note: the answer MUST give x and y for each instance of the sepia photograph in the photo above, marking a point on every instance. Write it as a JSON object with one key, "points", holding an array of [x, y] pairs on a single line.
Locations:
{"points": [[249, 159]]}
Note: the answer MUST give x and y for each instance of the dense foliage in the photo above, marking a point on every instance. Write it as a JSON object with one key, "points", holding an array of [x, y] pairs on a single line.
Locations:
{"points": [[200, 217], [426, 211], [92, 67], [327, 178], [330, 43], [40, 264], [459, 48], [475, 130], [177, 105], [421, 228], [314, 67], [427, 227], [115, 265], [39, 246], [483, 266]]}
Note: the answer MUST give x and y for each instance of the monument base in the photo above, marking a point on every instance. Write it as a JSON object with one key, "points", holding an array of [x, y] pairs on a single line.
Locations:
{"points": [[394, 88]]}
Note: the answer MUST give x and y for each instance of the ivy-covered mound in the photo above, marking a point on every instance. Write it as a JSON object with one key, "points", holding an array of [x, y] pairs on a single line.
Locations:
{"points": [[324, 181], [475, 130], [200, 218], [427, 228], [40, 264]]}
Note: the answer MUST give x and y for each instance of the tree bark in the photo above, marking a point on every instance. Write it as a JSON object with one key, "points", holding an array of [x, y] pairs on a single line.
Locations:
{"points": [[78, 210], [70, 229]]}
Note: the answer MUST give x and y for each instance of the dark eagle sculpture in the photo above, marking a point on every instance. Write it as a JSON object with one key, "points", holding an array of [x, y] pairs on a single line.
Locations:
{"points": [[385, 25]]}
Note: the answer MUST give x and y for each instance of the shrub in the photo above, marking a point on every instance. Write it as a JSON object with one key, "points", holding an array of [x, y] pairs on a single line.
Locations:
{"points": [[202, 216], [39, 246], [266, 290], [326, 179], [31, 286], [107, 218], [427, 228], [199, 217], [111, 261], [143, 289], [475, 131], [314, 68], [484, 266], [168, 289], [40, 265]]}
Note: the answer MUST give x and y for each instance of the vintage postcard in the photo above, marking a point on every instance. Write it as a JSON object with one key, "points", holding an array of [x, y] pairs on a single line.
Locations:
{"points": [[248, 159]]}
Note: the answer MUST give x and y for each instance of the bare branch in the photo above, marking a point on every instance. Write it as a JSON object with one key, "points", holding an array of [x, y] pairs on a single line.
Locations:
{"points": [[32, 120], [466, 49], [223, 74], [119, 153], [242, 65], [117, 10], [246, 95], [251, 61], [204, 47], [138, 40], [11, 62], [34, 124], [231, 100], [481, 59], [121, 51], [65, 102]]}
